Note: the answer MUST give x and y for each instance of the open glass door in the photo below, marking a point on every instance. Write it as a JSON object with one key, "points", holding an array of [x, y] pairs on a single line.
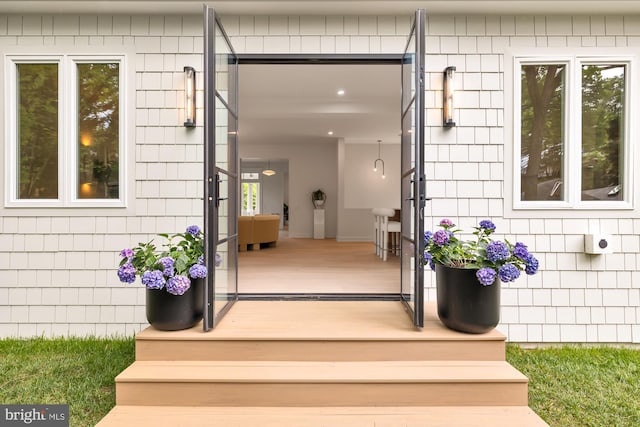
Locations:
{"points": [[412, 169], [221, 170]]}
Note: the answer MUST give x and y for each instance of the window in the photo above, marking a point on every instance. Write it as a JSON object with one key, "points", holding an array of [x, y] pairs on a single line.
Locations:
{"points": [[250, 193], [571, 135], [64, 132]]}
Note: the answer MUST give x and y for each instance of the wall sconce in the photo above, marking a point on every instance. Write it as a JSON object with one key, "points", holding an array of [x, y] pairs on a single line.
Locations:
{"points": [[189, 97], [379, 159], [448, 90]]}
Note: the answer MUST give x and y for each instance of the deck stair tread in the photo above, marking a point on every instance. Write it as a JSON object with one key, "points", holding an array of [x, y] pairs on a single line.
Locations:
{"points": [[415, 416], [324, 320], [321, 372]]}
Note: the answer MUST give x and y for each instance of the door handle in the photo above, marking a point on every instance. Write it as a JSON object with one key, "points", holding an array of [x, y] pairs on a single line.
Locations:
{"points": [[218, 198]]}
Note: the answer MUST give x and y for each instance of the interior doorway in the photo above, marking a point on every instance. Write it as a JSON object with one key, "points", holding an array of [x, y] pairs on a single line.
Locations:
{"points": [[319, 125]]}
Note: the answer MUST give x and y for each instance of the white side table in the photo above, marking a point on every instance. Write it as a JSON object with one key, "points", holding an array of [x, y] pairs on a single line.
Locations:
{"points": [[318, 223]]}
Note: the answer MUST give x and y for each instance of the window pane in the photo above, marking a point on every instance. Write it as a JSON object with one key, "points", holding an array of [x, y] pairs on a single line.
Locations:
{"points": [[602, 131], [37, 97], [98, 131], [542, 132]]}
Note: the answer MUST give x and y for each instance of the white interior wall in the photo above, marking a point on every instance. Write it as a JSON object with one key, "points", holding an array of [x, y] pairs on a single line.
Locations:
{"points": [[311, 166]]}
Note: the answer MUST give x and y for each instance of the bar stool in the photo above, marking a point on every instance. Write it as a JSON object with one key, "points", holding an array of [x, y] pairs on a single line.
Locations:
{"points": [[381, 230]]}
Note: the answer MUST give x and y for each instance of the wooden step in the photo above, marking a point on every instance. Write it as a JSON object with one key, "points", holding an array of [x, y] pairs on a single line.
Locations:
{"points": [[320, 331], [434, 416], [290, 383]]}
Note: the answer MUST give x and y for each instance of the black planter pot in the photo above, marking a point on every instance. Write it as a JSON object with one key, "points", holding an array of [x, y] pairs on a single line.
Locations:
{"points": [[168, 312], [463, 303]]}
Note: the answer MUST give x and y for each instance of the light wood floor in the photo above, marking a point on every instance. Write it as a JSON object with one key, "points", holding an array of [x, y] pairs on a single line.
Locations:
{"points": [[317, 266]]}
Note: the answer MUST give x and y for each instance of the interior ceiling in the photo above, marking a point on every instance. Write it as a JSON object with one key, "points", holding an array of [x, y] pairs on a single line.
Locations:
{"points": [[298, 103]]}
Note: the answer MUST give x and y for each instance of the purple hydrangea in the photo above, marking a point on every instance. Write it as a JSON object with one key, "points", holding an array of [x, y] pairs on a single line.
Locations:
{"points": [[497, 251], [194, 230], [153, 279], [198, 271], [127, 273], [427, 237], [446, 223], [178, 285], [486, 276], [508, 273], [531, 265], [520, 250], [441, 237], [487, 225], [428, 259], [167, 265], [218, 260], [126, 253], [201, 259]]}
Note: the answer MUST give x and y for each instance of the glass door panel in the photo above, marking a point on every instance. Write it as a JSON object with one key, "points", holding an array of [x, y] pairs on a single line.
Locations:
{"points": [[221, 170], [412, 170]]}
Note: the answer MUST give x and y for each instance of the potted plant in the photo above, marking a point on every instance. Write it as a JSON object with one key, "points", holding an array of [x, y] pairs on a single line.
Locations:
{"points": [[173, 275], [469, 272], [318, 197]]}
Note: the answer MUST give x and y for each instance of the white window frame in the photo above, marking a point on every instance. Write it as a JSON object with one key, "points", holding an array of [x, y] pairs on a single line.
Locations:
{"points": [[573, 60], [67, 131]]}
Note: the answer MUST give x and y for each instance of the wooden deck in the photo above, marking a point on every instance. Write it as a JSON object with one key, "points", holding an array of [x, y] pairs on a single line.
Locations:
{"points": [[320, 363]]}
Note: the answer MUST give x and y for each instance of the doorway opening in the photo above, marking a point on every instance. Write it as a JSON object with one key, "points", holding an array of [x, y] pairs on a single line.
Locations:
{"points": [[319, 125]]}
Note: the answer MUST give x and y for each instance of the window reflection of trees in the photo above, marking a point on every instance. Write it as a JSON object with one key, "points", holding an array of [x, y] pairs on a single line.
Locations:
{"points": [[98, 130], [542, 131]]}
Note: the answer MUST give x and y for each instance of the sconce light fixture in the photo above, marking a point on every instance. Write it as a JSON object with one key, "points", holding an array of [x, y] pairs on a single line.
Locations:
{"points": [[379, 159], [268, 171], [448, 90], [189, 97]]}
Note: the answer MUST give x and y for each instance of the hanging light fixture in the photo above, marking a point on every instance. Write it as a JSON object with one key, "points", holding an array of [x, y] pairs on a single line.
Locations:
{"points": [[448, 90], [379, 159], [268, 171], [189, 97]]}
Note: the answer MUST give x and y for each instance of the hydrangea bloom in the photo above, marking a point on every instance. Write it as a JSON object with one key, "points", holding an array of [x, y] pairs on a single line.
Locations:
{"points": [[486, 276], [487, 225], [497, 251], [198, 271], [427, 237], [428, 259], [126, 253], [178, 285], [520, 250], [201, 259], [508, 273], [153, 279], [167, 265], [446, 223], [532, 265], [127, 273], [193, 230], [441, 237]]}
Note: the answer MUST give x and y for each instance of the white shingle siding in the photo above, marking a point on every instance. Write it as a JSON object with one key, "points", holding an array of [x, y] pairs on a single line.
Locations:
{"points": [[58, 270]]}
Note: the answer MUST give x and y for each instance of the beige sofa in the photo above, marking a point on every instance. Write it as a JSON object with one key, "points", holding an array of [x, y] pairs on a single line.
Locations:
{"points": [[256, 230]]}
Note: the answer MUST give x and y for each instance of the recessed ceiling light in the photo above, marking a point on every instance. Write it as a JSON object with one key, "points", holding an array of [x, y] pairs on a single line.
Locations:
{"points": [[340, 92], [330, 132]]}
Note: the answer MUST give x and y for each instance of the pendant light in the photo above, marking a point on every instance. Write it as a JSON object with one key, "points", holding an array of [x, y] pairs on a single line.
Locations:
{"points": [[379, 159], [268, 171]]}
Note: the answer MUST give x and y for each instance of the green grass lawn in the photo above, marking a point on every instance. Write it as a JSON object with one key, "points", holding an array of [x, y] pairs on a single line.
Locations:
{"points": [[78, 372], [568, 386]]}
